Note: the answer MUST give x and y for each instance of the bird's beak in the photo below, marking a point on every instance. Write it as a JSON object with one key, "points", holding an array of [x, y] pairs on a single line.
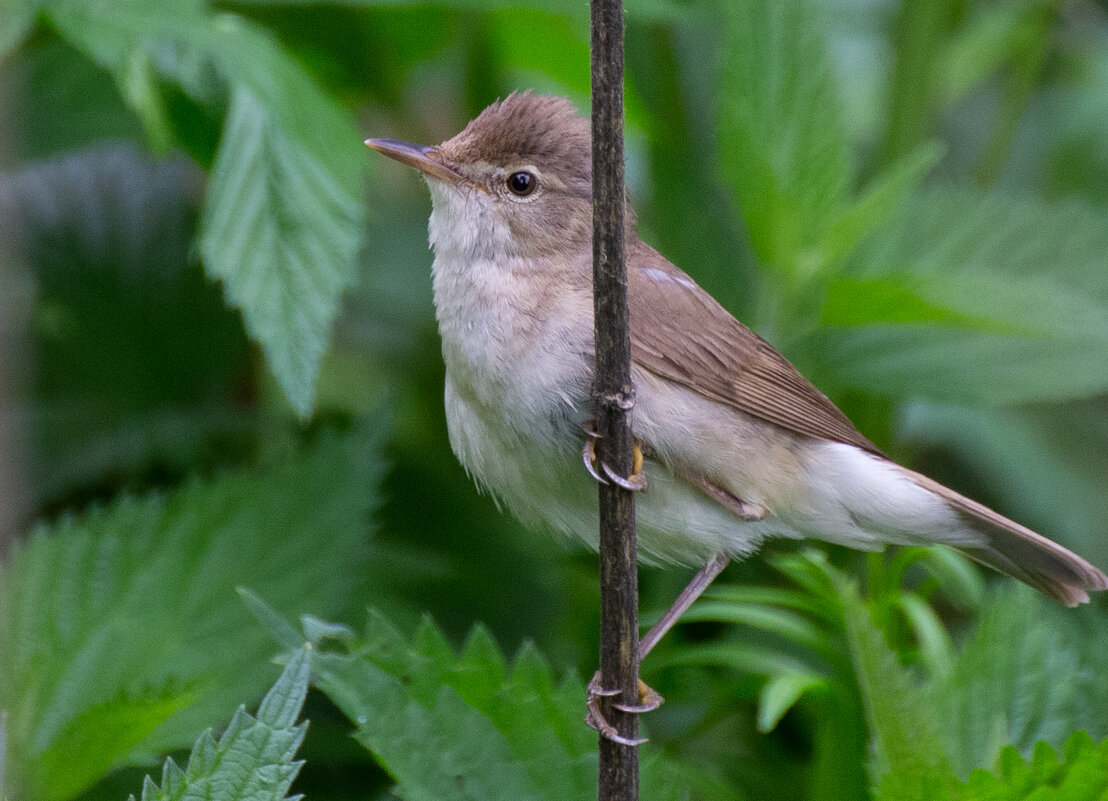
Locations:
{"points": [[426, 159]]}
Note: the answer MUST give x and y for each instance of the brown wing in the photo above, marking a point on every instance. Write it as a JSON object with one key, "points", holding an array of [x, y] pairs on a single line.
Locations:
{"points": [[680, 332]]}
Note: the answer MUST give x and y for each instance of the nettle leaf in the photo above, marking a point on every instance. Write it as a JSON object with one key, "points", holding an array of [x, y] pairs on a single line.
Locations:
{"points": [[285, 212], [908, 758], [253, 759], [285, 215], [126, 619], [1081, 774], [975, 298], [783, 144], [468, 726], [1019, 680]]}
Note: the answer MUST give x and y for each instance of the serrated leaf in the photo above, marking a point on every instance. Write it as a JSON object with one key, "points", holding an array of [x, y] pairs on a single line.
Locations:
{"points": [[1017, 681], [1081, 775], [908, 759], [442, 730], [469, 726], [782, 141], [284, 701], [140, 595], [253, 759], [975, 298], [285, 212], [483, 665]]}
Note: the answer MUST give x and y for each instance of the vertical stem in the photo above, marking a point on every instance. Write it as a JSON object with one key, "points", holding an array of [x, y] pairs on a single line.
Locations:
{"points": [[619, 661]]}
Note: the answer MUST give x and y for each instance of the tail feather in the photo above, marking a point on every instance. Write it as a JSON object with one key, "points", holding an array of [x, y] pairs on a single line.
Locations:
{"points": [[1019, 552]]}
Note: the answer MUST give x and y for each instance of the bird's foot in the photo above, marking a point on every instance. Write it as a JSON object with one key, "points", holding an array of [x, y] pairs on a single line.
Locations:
{"points": [[649, 700], [636, 482]]}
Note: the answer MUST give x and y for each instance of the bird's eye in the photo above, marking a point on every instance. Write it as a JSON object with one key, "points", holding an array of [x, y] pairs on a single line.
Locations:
{"points": [[522, 183]]}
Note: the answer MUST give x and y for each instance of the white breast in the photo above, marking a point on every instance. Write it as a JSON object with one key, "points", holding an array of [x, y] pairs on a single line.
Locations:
{"points": [[518, 372]]}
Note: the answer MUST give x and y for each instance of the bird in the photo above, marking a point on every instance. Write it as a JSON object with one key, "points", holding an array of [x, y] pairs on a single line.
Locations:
{"points": [[737, 446]]}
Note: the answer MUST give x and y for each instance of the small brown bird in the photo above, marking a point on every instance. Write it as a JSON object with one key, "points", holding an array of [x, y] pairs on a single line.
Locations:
{"points": [[739, 447]]}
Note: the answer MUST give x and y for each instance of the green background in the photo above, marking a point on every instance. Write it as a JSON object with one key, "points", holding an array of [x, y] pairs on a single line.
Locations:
{"points": [[219, 364]]}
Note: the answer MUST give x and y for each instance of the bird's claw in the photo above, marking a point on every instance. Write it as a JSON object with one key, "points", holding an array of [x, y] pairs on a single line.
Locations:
{"points": [[636, 482], [595, 719], [588, 456]]}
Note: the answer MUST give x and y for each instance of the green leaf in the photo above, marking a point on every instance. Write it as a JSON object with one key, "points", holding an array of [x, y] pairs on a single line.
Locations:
{"points": [[107, 233], [469, 726], [128, 616], [986, 42], [879, 201], [977, 298], [1081, 775], [285, 215], [919, 31], [285, 212], [253, 759], [908, 758], [757, 659], [98, 736], [781, 693], [782, 622], [1020, 680], [783, 148], [70, 88], [960, 581], [443, 729], [936, 651]]}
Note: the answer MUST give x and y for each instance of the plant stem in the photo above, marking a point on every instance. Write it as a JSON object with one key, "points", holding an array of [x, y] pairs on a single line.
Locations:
{"points": [[619, 660]]}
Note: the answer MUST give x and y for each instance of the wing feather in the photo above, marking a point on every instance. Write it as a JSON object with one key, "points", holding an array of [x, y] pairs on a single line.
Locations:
{"points": [[679, 332]]}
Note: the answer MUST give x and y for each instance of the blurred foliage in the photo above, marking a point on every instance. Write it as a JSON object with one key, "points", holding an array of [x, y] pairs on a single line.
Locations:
{"points": [[219, 369]]}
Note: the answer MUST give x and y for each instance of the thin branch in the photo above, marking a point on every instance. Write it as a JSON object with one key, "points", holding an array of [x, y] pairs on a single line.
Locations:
{"points": [[619, 766]]}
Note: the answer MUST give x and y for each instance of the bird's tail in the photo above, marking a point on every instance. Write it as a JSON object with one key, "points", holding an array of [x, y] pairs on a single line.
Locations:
{"points": [[1019, 552]]}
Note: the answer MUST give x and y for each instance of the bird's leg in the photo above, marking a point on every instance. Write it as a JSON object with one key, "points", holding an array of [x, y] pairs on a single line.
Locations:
{"points": [[745, 510], [692, 591], [636, 482], [649, 699]]}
